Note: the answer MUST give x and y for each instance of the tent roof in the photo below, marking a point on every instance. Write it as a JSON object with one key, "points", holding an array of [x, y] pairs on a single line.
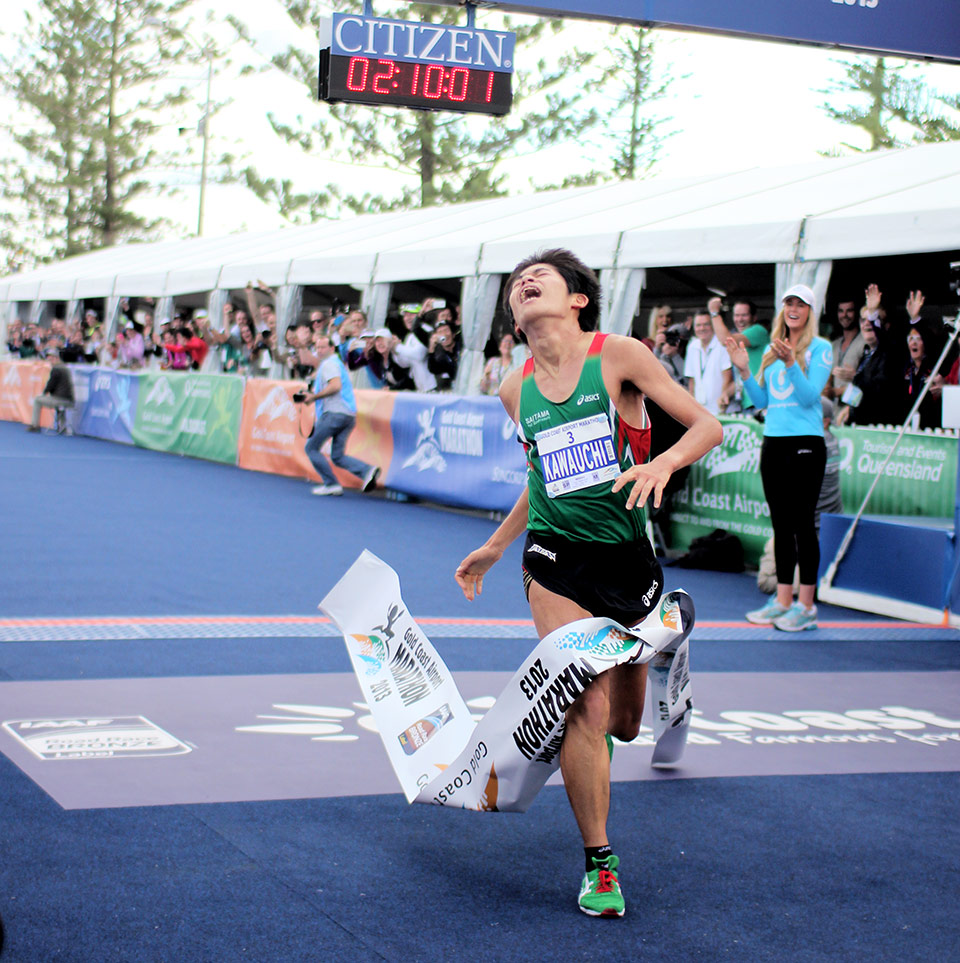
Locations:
{"points": [[885, 202]]}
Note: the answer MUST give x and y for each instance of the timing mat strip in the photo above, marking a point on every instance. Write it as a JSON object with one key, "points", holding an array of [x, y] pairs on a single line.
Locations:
{"points": [[82, 629]]}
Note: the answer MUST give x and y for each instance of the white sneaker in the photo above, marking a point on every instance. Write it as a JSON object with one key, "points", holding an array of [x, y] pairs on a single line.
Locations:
{"points": [[798, 618], [327, 490], [768, 614]]}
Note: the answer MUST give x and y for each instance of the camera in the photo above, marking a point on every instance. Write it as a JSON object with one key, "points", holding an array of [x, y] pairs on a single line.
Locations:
{"points": [[673, 338], [299, 397]]}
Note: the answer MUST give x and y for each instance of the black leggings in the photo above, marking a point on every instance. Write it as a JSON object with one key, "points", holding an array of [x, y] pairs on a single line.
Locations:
{"points": [[792, 471]]}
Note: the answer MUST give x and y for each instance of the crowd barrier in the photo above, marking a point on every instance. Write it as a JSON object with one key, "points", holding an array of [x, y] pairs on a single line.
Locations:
{"points": [[454, 450]]}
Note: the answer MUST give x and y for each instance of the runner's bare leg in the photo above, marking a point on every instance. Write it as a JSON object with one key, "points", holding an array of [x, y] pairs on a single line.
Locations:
{"points": [[584, 760]]}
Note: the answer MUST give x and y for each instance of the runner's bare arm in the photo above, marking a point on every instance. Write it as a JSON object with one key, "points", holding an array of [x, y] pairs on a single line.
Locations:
{"points": [[629, 367], [471, 570]]}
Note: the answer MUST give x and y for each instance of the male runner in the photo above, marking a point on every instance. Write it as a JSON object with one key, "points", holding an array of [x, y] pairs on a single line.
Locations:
{"points": [[578, 403]]}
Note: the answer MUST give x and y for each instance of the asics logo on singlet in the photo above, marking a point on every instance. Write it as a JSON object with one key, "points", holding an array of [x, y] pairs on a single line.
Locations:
{"points": [[647, 596], [542, 551], [583, 399]]}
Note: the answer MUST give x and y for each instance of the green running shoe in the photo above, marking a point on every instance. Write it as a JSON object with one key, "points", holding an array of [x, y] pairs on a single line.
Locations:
{"points": [[600, 891]]}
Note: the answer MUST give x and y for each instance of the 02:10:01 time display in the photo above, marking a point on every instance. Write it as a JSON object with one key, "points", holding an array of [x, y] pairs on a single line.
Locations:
{"points": [[432, 81]]}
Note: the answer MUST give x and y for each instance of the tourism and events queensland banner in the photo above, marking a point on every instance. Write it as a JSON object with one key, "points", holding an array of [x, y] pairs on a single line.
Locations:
{"points": [[190, 414], [724, 489], [459, 451]]}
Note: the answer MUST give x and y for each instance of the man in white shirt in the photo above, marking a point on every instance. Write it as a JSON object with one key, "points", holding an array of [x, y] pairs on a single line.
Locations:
{"points": [[412, 353], [707, 365]]}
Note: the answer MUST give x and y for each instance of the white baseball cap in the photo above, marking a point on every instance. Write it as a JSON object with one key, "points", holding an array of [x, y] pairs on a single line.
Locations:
{"points": [[383, 333], [799, 291]]}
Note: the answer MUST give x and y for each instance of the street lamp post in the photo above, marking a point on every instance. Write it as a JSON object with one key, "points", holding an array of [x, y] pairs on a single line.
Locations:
{"points": [[208, 53]]}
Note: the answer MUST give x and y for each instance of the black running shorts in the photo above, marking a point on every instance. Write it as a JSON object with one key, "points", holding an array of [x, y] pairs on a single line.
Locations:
{"points": [[621, 581]]}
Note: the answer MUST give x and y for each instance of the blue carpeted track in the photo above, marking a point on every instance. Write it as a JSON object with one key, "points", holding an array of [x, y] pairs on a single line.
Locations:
{"points": [[810, 863]]}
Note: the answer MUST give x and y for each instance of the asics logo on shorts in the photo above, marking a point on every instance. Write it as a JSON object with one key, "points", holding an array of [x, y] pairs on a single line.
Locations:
{"points": [[649, 594], [542, 551]]}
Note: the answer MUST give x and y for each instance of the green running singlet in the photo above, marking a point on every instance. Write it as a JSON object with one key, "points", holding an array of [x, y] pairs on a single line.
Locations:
{"points": [[575, 450]]}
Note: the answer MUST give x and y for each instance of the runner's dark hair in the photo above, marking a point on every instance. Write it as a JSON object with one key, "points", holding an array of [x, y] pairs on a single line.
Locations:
{"points": [[578, 277]]}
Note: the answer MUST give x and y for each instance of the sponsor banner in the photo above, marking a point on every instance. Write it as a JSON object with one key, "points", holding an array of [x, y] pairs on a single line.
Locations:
{"points": [[920, 478], [81, 374], [724, 489], [20, 383], [372, 437], [916, 28], [458, 451], [110, 406], [274, 430], [500, 764], [189, 414]]}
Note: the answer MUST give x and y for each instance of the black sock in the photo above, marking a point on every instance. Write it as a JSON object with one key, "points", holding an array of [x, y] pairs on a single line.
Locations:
{"points": [[596, 852]]}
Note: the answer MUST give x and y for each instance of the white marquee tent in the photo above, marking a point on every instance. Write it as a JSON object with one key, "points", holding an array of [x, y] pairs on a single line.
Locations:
{"points": [[798, 217]]}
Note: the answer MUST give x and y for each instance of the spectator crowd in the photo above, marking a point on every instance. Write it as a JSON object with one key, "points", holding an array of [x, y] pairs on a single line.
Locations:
{"points": [[881, 358], [417, 349]]}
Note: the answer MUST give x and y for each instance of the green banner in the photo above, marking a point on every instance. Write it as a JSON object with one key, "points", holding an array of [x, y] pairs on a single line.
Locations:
{"points": [[724, 489], [920, 479], [190, 414]]}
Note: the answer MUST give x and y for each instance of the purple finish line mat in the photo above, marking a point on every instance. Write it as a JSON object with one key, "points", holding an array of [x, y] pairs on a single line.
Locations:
{"points": [[143, 742]]}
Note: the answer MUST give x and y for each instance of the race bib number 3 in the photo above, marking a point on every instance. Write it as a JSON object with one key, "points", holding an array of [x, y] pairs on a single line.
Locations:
{"points": [[577, 455]]}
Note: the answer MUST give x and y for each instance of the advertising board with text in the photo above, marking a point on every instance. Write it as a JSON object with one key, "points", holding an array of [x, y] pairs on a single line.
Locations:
{"points": [[929, 29]]}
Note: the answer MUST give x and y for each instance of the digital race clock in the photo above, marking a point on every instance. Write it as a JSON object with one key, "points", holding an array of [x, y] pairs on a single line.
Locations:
{"points": [[425, 65]]}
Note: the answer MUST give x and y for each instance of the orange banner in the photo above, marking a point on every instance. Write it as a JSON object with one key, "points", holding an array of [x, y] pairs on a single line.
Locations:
{"points": [[20, 383], [274, 430]]}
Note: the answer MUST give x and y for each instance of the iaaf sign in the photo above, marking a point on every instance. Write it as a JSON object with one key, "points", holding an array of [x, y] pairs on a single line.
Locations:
{"points": [[911, 28], [431, 43]]}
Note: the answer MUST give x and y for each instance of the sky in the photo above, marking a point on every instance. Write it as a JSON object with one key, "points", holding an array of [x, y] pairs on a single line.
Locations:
{"points": [[733, 104]]}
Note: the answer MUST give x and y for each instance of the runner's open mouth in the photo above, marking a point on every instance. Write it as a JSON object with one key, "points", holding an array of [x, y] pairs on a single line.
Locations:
{"points": [[528, 294]]}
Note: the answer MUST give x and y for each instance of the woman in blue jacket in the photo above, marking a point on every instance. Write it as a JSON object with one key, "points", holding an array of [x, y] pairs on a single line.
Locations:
{"points": [[791, 378]]}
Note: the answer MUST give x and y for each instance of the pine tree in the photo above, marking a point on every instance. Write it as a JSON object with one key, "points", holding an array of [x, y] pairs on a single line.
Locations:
{"points": [[893, 104], [449, 157], [635, 132], [88, 78]]}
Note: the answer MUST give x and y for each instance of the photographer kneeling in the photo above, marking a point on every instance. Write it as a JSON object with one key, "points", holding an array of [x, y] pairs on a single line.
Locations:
{"points": [[336, 414]]}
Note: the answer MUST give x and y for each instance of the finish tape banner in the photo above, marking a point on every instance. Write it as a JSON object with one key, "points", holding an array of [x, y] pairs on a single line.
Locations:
{"points": [[438, 751], [724, 489], [193, 414], [454, 450]]}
